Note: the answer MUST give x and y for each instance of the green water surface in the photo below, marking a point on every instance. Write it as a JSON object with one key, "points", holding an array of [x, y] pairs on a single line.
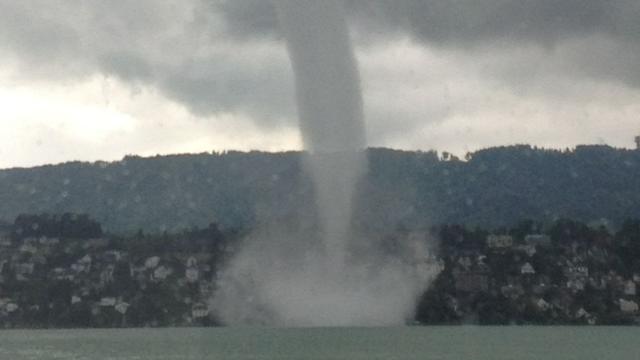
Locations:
{"points": [[478, 343]]}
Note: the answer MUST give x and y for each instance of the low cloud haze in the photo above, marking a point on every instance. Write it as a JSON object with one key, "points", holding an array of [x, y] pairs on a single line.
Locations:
{"points": [[89, 79]]}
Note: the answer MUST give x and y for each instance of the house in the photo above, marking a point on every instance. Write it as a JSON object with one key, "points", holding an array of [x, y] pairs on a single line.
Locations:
{"points": [[465, 262], [528, 249], [576, 285], [106, 276], [582, 313], [192, 262], [538, 240], [28, 249], [199, 311], [107, 301], [543, 305], [512, 291], [575, 271], [152, 262], [23, 271], [192, 274], [82, 265], [629, 307], [61, 274], [13, 307], [122, 307], [630, 288], [499, 241], [4, 302], [527, 269], [161, 273]]}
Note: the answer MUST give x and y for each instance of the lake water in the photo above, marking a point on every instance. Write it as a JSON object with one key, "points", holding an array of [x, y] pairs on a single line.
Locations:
{"points": [[477, 343]]}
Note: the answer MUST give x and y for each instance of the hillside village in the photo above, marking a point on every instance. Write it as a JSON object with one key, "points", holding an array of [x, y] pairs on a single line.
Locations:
{"points": [[107, 281], [573, 275], [568, 274]]}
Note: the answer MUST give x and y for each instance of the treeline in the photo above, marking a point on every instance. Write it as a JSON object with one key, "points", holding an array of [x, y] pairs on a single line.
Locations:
{"points": [[490, 187], [67, 225]]}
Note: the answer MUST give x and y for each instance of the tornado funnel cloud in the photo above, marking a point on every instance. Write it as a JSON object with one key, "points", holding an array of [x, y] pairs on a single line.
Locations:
{"points": [[330, 111], [331, 276], [327, 80]]}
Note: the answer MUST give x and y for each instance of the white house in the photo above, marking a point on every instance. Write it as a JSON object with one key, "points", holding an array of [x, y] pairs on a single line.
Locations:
{"points": [[582, 313], [630, 307], [499, 241], [543, 305], [528, 249], [576, 285], [192, 262], [107, 301], [161, 273], [106, 276], [199, 311], [11, 307], [527, 269], [538, 240], [152, 262], [630, 288], [122, 307]]}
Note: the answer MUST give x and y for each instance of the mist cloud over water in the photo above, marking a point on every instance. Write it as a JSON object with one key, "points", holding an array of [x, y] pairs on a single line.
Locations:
{"points": [[324, 273]]}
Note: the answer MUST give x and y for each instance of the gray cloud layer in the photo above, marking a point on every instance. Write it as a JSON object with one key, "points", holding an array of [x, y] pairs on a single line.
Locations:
{"points": [[464, 22], [226, 56], [480, 23]]}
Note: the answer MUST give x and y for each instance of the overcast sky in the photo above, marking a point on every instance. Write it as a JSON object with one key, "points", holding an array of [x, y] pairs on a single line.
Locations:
{"points": [[98, 79]]}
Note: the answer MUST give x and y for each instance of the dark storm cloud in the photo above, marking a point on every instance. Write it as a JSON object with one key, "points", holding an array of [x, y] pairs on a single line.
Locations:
{"points": [[177, 47], [227, 56], [248, 17], [228, 83], [464, 21], [127, 66], [472, 24], [34, 36]]}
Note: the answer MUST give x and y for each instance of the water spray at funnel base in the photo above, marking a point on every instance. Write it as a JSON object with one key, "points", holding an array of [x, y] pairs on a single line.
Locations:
{"points": [[289, 279]]}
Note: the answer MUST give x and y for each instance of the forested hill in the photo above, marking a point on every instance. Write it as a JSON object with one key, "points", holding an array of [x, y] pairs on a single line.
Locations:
{"points": [[492, 187]]}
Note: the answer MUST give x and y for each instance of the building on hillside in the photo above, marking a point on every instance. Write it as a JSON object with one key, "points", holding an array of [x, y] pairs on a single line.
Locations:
{"points": [[628, 306], [199, 311], [527, 269], [499, 241], [630, 288], [537, 240]]}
